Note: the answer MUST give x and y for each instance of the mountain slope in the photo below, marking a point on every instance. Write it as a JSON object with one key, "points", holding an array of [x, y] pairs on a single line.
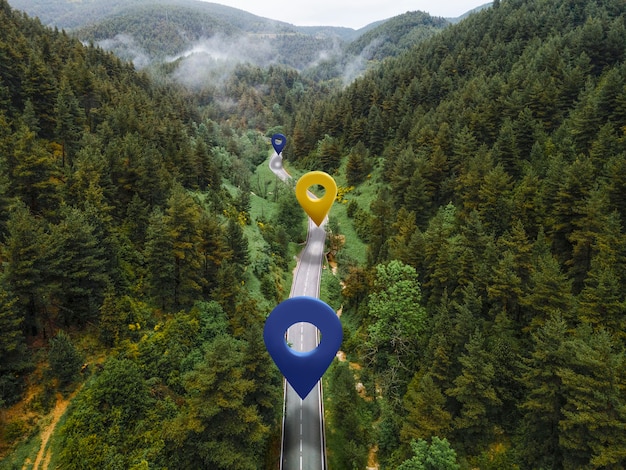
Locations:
{"points": [[498, 148], [118, 226], [396, 35]]}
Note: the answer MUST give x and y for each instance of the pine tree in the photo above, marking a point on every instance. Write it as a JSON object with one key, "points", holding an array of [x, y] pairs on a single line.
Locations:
{"points": [[601, 302], [346, 429], [475, 391], [33, 176], [403, 246], [505, 290], [357, 167], [111, 319], [212, 250], [594, 415], [398, 320], [426, 413], [549, 290], [543, 404], [218, 390], [237, 245], [13, 352], [160, 262], [380, 227], [495, 200], [182, 218], [329, 154], [41, 89], [77, 265], [69, 122], [26, 276], [64, 359], [438, 455]]}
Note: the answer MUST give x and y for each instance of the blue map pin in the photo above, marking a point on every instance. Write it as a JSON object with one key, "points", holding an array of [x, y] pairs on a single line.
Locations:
{"points": [[302, 369], [278, 142]]}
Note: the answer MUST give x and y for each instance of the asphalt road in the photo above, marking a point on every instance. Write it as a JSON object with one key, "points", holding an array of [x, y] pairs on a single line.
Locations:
{"points": [[303, 446]]}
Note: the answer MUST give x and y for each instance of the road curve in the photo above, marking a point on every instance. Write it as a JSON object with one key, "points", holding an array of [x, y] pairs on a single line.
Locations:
{"points": [[303, 443]]}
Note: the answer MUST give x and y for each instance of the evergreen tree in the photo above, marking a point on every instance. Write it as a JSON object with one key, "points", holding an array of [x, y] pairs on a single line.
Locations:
{"points": [[475, 391], [549, 290], [182, 218], [347, 432], [238, 245], [77, 266], [13, 352], [290, 216], [218, 390], [380, 227], [63, 358], [69, 122], [426, 413], [26, 275], [357, 167], [601, 302], [33, 177], [41, 89], [591, 431], [160, 261], [542, 407], [328, 154]]}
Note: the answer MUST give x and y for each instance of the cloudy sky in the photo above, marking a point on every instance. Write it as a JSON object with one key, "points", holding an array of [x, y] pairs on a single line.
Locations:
{"points": [[351, 13]]}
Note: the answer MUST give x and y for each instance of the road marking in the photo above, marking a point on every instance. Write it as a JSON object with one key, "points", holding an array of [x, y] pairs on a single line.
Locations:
{"points": [[301, 438]]}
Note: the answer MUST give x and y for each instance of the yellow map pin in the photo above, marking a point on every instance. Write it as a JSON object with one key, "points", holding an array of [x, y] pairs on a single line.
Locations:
{"points": [[316, 208]]}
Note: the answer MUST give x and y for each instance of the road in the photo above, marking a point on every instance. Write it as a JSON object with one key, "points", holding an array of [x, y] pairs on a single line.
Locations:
{"points": [[303, 445]]}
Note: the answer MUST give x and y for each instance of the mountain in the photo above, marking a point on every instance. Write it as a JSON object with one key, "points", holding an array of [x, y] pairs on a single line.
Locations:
{"points": [[145, 31], [391, 37], [466, 14], [152, 30], [70, 14]]}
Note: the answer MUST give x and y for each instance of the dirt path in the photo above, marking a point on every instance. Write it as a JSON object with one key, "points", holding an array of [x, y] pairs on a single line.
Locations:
{"points": [[43, 456]]}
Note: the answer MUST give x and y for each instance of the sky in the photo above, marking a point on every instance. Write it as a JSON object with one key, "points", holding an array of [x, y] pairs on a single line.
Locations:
{"points": [[349, 13]]}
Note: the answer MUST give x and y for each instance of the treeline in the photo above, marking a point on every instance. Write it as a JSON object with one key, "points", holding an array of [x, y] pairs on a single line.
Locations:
{"points": [[492, 311], [396, 35], [123, 227], [162, 31]]}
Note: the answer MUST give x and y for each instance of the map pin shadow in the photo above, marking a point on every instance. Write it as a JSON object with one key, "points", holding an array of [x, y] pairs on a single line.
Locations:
{"points": [[302, 369]]}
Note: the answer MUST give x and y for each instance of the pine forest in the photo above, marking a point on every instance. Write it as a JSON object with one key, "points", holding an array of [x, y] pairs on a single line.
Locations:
{"points": [[476, 250]]}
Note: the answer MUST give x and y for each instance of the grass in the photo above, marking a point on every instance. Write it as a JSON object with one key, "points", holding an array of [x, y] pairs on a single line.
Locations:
{"points": [[24, 454], [354, 248]]}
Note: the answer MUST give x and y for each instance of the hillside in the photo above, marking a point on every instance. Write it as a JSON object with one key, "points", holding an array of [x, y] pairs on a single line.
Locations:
{"points": [[487, 164], [396, 35], [133, 280], [152, 31], [70, 14]]}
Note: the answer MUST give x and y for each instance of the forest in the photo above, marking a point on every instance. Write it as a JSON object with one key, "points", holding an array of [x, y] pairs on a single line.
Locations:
{"points": [[490, 311], [478, 235]]}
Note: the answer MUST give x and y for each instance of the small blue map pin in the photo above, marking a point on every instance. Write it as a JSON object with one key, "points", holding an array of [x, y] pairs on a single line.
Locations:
{"points": [[278, 142], [302, 369]]}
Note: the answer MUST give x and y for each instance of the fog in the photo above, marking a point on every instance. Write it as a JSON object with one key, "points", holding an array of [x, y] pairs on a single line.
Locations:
{"points": [[211, 61], [125, 47], [214, 59]]}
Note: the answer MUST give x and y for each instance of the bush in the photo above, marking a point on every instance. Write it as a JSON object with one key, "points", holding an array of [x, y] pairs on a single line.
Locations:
{"points": [[64, 360]]}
